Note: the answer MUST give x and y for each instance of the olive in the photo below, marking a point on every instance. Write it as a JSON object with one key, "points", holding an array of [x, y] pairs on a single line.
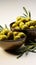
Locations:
{"points": [[15, 33], [3, 37], [10, 35], [21, 25], [26, 19], [25, 27], [18, 18], [14, 24], [17, 28], [18, 22], [21, 34], [28, 23], [4, 31], [33, 22], [31, 27], [16, 37]]}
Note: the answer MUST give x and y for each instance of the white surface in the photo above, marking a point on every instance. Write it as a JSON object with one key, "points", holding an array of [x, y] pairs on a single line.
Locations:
{"points": [[9, 10], [7, 59]]}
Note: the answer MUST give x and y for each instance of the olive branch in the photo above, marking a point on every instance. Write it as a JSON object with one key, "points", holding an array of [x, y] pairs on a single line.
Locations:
{"points": [[27, 13]]}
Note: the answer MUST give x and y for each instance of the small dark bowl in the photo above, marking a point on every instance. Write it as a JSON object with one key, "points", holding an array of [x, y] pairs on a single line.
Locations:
{"points": [[13, 44]]}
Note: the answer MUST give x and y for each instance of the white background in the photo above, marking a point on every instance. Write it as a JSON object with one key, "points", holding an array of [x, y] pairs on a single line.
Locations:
{"points": [[9, 10]]}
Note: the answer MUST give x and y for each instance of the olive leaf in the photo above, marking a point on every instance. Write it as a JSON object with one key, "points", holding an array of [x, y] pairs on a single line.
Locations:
{"points": [[29, 14], [27, 49], [25, 15], [1, 28], [25, 10], [6, 26], [32, 51]]}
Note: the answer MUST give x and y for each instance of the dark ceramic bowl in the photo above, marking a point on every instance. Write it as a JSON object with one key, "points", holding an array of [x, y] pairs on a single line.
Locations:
{"points": [[13, 44]]}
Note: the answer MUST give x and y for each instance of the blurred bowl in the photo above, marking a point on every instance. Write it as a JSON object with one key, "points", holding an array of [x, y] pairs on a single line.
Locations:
{"points": [[14, 44]]}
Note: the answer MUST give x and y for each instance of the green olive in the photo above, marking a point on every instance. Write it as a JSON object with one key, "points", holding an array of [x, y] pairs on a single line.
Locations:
{"points": [[18, 18], [3, 37], [22, 18], [4, 31], [18, 22], [21, 34], [17, 28], [15, 33], [16, 37], [26, 19], [14, 25], [24, 27], [31, 27], [28, 23], [10, 35], [21, 25], [33, 22]]}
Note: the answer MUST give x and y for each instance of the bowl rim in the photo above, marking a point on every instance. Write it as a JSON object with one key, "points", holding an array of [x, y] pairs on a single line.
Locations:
{"points": [[21, 39]]}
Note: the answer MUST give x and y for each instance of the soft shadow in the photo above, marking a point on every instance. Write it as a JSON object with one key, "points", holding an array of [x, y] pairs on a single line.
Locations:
{"points": [[13, 51]]}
